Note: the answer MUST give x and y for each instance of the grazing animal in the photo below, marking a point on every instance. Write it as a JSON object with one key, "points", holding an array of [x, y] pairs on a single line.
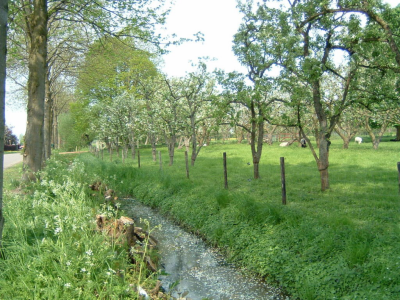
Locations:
{"points": [[284, 144], [358, 140], [303, 143]]}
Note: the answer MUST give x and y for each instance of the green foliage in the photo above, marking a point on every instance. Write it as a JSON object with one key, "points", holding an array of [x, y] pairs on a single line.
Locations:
{"points": [[50, 249], [112, 67], [70, 133], [340, 244]]}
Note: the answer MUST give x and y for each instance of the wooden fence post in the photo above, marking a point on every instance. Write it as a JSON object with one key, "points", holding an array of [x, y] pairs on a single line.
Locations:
{"points": [[398, 170], [283, 180], [159, 156], [138, 158], [187, 164], [225, 172]]}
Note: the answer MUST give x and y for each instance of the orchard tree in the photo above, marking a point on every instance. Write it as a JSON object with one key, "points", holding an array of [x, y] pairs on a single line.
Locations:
{"points": [[260, 53], [306, 42], [149, 90], [377, 121], [349, 124], [237, 93], [197, 90], [172, 114], [115, 122]]}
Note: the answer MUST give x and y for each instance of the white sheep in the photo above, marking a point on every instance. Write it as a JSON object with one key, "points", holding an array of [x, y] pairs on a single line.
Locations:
{"points": [[358, 140], [284, 144]]}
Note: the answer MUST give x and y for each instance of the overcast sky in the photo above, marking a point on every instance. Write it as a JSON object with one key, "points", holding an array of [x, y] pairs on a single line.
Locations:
{"points": [[218, 20]]}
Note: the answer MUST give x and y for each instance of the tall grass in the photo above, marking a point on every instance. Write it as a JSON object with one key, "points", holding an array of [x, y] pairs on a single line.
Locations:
{"points": [[50, 245], [340, 244]]}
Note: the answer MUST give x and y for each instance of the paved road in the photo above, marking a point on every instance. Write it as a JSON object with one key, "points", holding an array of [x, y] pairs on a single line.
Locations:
{"points": [[11, 159]]}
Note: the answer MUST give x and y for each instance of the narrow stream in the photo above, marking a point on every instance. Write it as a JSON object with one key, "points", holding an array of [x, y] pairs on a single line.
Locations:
{"points": [[197, 268]]}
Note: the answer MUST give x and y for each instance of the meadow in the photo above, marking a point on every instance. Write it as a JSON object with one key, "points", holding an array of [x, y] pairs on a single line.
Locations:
{"points": [[338, 244]]}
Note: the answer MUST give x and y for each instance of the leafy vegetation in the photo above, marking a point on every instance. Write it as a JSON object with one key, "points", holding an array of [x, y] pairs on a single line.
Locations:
{"points": [[338, 244], [49, 246]]}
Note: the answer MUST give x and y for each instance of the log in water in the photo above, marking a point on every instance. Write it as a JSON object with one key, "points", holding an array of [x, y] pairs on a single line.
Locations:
{"points": [[197, 268]]}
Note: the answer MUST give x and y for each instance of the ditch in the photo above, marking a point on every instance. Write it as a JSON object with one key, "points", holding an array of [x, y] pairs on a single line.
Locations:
{"points": [[192, 266]]}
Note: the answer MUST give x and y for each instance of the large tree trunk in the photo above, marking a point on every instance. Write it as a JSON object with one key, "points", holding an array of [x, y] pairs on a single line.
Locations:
{"points": [[33, 151], [47, 129], [397, 132], [3, 51]]}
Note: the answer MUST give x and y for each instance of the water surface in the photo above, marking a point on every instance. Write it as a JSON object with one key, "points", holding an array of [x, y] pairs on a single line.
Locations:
{"points": [[199, 269]]}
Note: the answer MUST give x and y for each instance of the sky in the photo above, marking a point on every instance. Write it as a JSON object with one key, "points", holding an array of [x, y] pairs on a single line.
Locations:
{"points": [[218, 20]]}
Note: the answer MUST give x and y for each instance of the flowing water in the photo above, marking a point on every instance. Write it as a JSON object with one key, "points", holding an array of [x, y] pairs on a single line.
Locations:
{"points": [[194, 266]]}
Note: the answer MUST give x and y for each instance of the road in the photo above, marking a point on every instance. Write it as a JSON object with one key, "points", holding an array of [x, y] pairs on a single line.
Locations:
{"points": [[11, 159]]}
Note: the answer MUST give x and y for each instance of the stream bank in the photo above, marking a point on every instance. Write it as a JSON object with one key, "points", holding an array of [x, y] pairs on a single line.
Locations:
{"points": [[194, 267]]}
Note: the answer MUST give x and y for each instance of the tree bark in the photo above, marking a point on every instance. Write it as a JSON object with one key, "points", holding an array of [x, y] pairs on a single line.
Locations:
{"points": [[47, 129], [171, 140], [153, 146], [3, 52], [37, 32], [323, 137], [194, 140], [256, 144]]}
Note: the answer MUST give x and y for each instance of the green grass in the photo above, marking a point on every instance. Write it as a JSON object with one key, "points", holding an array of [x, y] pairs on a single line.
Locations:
{"points": [[340, 244], [50, 246]]}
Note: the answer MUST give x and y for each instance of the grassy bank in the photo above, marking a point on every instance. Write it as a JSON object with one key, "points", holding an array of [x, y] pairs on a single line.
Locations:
{"points": [[51, 248], [341, 244]]}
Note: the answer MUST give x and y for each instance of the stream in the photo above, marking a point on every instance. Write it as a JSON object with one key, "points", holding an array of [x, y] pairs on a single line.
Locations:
{"points": [[194, 267]]}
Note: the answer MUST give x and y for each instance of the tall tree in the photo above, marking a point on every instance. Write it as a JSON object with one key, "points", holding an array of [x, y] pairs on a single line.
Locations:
{"points": [[305, 43], [260, 55], [36, 24], [133, 18], [3, 52]]}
